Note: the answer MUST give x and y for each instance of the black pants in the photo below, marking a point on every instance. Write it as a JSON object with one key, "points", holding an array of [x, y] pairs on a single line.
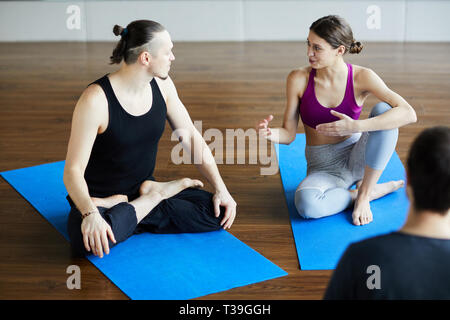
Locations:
{"points": [[189, 211]]}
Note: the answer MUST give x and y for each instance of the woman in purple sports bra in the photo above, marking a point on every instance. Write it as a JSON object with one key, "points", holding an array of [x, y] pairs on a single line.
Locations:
{"points": [[341, 149]]}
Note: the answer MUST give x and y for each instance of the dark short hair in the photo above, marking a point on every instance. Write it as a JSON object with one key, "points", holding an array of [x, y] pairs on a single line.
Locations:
{"points": [[337, 32], [429, 170], [134, 40]]}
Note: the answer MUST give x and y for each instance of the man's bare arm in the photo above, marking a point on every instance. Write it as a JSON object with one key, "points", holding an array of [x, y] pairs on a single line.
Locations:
{"points": [[193, 142], [86, 121], [87, 117], [190, 138]]}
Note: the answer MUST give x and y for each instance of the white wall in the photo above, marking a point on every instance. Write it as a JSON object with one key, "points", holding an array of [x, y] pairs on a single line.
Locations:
{"points": [[217, 20]]}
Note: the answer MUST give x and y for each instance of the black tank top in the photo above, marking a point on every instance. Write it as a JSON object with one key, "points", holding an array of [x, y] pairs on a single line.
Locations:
{"points": [[124, 155]]}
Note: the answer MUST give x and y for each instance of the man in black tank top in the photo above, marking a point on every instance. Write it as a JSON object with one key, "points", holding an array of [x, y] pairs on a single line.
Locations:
{"points": [[116, 127]]}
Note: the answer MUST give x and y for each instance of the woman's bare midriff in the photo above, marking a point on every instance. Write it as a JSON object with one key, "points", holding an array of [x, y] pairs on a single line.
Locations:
{"points": [[313, 138]]}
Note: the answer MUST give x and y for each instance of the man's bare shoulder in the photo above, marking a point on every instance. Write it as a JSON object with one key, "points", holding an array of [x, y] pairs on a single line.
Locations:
{"points": [[93, 94], [166, 86], [92, 100], [92, 106]]}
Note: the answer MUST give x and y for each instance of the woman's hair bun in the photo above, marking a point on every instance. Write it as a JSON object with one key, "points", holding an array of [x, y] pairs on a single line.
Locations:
{"points": [[356, 47]]}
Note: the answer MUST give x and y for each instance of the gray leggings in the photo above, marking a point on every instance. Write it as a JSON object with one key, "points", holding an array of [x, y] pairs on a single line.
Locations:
{"points": [[333, 168]]}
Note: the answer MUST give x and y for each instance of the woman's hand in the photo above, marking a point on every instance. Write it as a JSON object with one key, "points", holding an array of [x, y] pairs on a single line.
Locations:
{"points": [[263, 127], [95, 232], [343, 127]]}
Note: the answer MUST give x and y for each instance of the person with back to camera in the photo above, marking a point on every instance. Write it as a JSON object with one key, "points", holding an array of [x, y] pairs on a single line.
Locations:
{"points": [[116, 127], [414, 262], [341, 149]]}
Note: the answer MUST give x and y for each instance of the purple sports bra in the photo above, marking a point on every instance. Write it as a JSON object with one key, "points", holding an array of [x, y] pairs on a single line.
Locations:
{"points": [[313, 113]]}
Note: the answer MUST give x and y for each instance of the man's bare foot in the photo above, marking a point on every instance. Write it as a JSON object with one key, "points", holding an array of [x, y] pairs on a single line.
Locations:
{"points": [[109, 202], [170, 188], [379, 190], [361, 213]]}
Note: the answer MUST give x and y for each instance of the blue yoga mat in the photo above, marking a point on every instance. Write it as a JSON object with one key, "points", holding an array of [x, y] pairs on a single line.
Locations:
{"points": [[321, 242], [152, 266]]}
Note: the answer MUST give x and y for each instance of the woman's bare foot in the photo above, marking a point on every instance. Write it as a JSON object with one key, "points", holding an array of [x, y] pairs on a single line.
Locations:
{"points": [[361, 213], [109, 202], [170, 188], [380, 189]]}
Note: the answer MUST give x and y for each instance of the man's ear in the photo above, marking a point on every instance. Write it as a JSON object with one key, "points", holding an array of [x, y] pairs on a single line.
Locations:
{"points": [[145, 58]]}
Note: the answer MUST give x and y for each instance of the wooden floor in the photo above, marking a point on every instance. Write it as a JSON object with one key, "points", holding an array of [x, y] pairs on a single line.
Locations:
{"points": [[226, 85]]}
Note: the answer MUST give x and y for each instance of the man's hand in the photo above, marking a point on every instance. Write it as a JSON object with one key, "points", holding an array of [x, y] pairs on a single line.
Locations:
{"points": [[343, 127], [95, 232], [224, 199]]}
